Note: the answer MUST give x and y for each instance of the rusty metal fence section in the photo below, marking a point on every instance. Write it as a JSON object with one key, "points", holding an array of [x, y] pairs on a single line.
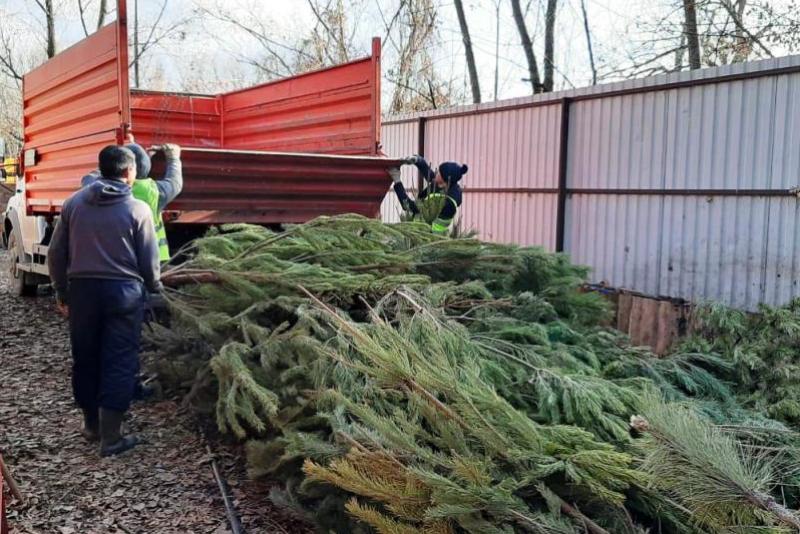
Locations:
{"points": [[680, 185]]}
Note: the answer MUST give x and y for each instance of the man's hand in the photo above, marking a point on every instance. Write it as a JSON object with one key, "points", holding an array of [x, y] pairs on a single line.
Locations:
{"points": [[129, 138], [63, 309], [172, 151], [394, 172]]}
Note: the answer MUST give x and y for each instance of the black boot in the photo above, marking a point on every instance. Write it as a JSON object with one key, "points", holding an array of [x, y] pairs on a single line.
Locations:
{"points": [[112, 442], [91, 425]]}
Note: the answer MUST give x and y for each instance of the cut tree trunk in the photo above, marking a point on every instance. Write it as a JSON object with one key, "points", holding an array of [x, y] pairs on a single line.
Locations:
{"points": [[473, 71]]}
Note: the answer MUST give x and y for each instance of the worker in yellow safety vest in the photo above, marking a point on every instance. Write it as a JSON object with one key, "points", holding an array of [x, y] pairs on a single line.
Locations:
{"points": [[442, 182], [155, 193]]}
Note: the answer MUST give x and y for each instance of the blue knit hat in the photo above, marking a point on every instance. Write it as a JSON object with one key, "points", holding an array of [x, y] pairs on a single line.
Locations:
{"points": [[142, 160], [452, 172]]}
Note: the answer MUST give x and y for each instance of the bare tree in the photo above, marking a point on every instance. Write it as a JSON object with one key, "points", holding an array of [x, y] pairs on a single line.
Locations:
{"points": [[332, 38], [549, 44], [275, 58], [15, 60], [410, 34], [680, 53], [50, 22], [83, 9], [8, 61], [331, 29], [589, 42], [101, 14], [497, 5], [692, 39], [742, 34], [527, 46], [151, 35], [471, 68], [82, 13], [10, 117]]}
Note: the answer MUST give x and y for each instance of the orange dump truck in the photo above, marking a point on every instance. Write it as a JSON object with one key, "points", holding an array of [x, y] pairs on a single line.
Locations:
{"points": [[281, 152]]}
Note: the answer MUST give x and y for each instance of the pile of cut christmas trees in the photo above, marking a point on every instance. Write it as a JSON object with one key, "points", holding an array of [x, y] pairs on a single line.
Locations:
{"points": [[398, 382]]}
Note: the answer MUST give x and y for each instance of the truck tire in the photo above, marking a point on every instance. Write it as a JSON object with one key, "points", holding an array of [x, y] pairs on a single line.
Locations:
{"points": [[22, 283]]}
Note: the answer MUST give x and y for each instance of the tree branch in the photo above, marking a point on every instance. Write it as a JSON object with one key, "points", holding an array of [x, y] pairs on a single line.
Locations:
{"points": [[82, 11], [740, 24]]}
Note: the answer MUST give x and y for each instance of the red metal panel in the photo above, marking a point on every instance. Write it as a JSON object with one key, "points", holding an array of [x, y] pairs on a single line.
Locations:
{"points": [[74, 104], [331, 111], [80, 101], [189, 120], [268, 187]]}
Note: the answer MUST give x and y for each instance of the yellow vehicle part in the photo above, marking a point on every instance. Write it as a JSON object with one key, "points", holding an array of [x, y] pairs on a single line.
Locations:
{"points": [[10, 170]]}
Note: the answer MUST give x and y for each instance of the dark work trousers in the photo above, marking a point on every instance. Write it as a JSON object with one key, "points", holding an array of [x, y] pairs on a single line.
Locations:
{"points": [[105, 327]]}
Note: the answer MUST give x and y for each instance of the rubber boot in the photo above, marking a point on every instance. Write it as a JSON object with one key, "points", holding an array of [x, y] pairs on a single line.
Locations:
{"points": [[112, 442], [91, 425]]}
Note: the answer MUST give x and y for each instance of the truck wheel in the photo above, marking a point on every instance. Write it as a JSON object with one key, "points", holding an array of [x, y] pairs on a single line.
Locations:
{"points": [[21, 282]]}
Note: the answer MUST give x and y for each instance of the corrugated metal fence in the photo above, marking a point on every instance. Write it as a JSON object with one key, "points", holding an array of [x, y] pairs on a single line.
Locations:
{"points": [[679, 185]]}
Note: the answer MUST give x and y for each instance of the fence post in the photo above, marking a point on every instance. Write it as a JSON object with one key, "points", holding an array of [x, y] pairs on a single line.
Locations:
{"points": [[563, 157], [420, 150]]}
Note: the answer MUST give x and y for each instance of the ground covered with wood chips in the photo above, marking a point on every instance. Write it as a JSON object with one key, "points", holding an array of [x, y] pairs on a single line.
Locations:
{"points": [[164, 486]]}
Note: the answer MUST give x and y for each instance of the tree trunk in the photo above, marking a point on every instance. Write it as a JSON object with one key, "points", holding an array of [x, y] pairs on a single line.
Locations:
{"points": [[692, 39], [136, 43], [101, 17], [533, 69], [742, 43], [473, 71], [549, 43], [497, 49], [589, 42], [51, 28]]}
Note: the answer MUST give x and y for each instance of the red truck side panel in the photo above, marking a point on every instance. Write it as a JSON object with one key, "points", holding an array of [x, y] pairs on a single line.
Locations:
{"points": [[270, 187], [188, 120], [73, 106], [327, 111]]}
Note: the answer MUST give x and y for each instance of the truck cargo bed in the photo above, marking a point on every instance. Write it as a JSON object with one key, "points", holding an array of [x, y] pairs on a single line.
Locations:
{"points": [[283, 151], [273, 187]]}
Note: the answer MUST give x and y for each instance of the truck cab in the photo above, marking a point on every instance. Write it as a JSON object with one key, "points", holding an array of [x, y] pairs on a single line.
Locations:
{"points": [[22, 233]]}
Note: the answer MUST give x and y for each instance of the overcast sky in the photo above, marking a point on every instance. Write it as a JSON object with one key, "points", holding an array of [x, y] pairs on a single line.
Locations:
{"points": [[615, 27]]}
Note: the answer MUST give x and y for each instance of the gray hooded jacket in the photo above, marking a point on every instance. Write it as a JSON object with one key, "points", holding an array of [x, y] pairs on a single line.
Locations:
{"points": [[104, 232]]}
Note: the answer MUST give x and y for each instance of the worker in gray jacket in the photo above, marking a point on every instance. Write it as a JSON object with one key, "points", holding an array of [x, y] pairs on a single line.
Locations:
{"points": [[103, 258]]}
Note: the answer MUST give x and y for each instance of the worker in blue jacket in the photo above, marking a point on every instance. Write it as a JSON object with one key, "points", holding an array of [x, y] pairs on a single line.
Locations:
{"points": [[441, 182], [103, 259], [156, 194]]}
